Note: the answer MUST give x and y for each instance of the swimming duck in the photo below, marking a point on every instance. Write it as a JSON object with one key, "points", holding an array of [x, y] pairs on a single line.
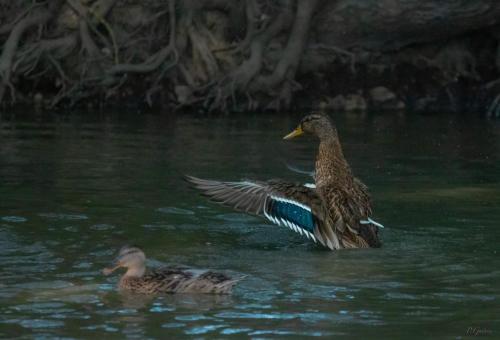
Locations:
{"points": [[167, 279], [334, 212]]}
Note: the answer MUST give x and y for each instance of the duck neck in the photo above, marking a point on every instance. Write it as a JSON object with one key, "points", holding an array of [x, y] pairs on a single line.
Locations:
{"points": [[136, 271], [331, 166]]}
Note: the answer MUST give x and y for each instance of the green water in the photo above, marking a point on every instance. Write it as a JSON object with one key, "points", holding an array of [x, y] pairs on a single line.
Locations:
{"points": [[74, 188]]}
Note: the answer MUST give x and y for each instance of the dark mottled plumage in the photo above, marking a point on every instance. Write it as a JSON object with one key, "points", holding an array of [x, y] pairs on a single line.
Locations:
{"points": [[339, 205], [167, 279]]}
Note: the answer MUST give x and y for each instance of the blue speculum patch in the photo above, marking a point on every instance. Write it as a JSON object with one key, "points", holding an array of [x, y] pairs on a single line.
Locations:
{"points": [[292, 213]]}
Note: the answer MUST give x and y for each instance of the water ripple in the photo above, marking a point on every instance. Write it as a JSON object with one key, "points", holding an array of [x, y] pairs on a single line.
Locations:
{"points": [[14, 219], [173, 325], [194, 317], [175, 211], [102, 227], [38, 323], [203, 329], [64, 217]]}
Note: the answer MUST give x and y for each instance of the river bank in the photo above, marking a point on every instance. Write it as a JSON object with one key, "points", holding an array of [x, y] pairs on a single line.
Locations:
{"points": [[249, 55]]}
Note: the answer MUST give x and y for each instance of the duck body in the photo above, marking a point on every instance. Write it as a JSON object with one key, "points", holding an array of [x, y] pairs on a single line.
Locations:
{"points": [[335, 212], [167, 279], [175, 280], [345, 197]]}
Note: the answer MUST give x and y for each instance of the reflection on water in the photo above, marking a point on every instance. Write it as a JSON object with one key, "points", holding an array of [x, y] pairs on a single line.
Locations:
{"points": [[73, 188]]}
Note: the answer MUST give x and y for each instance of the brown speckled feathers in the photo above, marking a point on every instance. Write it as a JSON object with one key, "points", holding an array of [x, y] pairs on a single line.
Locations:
{"points": [[172, 280]]}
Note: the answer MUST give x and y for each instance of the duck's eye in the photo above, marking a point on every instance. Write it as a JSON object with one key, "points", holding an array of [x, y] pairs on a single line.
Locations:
{"points": [[309, 119]]}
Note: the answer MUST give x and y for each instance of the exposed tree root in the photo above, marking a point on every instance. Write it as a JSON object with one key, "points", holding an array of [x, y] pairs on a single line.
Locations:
{"points": [[494, 108], [240, 78], [219, 54], [37, 17], [287, 66], [159, 57]]}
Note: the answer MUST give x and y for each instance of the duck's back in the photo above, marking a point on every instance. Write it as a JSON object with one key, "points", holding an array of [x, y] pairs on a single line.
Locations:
{"points": [[176, 280], [348, 206], [209, 282]]}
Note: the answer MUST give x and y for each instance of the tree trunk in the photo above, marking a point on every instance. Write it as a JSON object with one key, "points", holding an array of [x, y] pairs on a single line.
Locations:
{"points": [[385, 25]]}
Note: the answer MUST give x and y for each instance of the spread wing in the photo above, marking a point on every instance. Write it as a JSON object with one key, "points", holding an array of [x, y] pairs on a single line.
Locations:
{"points": [[291, 205]]}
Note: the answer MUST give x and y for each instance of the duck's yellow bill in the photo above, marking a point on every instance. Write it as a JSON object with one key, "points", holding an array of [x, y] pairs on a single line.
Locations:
{"points": [[297, 132], [107, 271]]}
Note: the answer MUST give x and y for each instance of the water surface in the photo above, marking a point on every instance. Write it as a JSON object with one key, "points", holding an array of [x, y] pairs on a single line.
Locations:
{"points": [[76, 187]]}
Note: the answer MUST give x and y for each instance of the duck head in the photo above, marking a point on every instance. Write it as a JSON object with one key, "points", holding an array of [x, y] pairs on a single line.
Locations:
{"points": [[131, 258], [316, 124]]}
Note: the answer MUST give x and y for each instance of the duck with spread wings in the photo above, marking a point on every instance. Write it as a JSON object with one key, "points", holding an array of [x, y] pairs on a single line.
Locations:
{"points": [[335, 212]]}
